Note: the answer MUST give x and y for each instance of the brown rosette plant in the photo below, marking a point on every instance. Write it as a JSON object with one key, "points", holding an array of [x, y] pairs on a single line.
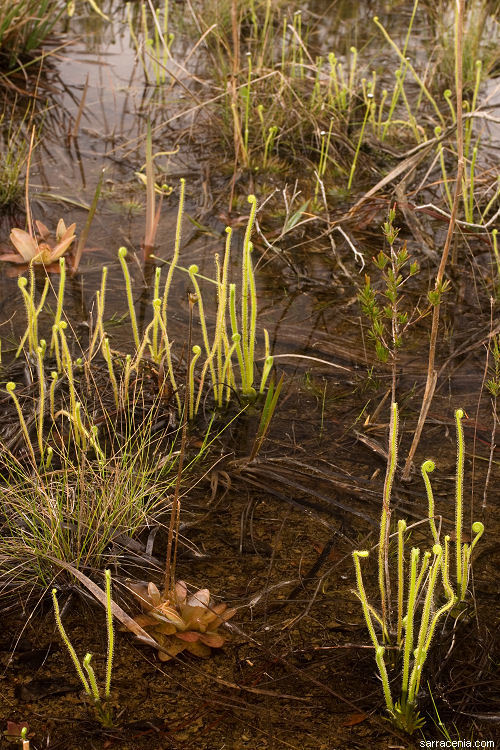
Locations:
{"points": [[44, 249], [179, 622]]}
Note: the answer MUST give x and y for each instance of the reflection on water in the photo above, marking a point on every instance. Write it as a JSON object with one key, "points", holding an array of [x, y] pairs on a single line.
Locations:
{"points": [[102, 62]]}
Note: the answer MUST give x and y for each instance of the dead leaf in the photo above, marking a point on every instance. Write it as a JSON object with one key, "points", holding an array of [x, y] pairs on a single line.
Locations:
{"points": [[354, 719], [100, 595]]}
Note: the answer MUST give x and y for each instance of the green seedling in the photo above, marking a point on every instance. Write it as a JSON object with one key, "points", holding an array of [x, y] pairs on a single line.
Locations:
{"points": [[269, 143], [390, 321], [323, 159]]}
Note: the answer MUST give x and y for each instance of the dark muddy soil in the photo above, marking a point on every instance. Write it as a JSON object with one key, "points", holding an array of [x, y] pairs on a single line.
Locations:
{"points": [[272, 538]]}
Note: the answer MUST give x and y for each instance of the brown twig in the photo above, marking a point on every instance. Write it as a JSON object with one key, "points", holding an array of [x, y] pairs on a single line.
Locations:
{"points": [[73, 133], [430, 384], [173, 527], [29, 219], [494, 413]]}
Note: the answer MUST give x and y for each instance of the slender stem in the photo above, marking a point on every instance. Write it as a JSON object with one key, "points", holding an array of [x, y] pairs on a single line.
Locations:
{"points": [[253, 320], [431, 374], [40, 351], [356, 555], [122, 254], [168, 357], [10, 389], [426, 469], [126, 380], [99, 324], [235, 333], [196, 355], [78, 422], [68, 644], [155, 354], [193, 270], [459, 495], [410, 614], [358, 147], [268, 366], [421, 651], [92, 678], [52, 391], [22, 283], [245, 287], [109, 361], [445, 568], [111, 635], [169, 582], [67, 364], [401, 582], [379, 658], [60, 300], [383, 573]]}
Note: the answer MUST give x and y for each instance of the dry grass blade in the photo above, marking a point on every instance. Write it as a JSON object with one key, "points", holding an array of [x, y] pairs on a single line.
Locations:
{"points": [[407, 166], [100, 595]]}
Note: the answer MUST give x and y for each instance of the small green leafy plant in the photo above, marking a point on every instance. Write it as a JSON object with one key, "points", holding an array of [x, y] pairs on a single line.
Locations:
{"points": [[390, 320]]}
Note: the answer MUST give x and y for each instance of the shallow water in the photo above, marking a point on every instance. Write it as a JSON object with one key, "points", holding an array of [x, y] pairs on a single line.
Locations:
{"points": [[328, 417], [308, 305]]}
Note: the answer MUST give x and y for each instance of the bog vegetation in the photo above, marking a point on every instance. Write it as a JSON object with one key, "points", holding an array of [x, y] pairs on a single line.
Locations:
{"points": [[266, 152]]}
